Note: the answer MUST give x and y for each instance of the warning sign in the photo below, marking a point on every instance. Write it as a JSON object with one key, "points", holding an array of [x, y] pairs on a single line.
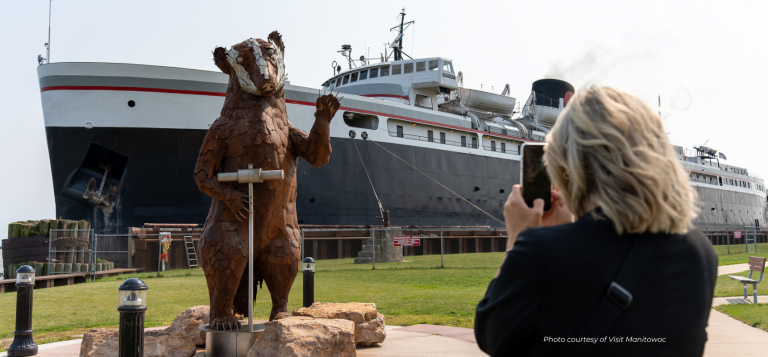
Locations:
{"points": [[736, 234], [407, 241]]}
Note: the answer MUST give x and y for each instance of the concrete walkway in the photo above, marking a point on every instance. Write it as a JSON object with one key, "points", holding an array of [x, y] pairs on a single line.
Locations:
{"points": [[727, 336]]}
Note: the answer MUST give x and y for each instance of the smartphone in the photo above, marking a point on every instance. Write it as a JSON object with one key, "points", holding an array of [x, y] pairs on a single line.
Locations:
{"points": [[534, 177]]}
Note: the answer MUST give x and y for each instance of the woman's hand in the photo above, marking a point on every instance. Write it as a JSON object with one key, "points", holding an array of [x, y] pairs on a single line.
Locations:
{"points": [[518, 216], [558, 213]]}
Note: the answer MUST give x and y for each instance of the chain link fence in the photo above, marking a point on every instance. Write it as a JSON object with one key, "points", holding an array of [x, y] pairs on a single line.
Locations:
{"points": [[737, 239], [148, 252], [361, 247]]}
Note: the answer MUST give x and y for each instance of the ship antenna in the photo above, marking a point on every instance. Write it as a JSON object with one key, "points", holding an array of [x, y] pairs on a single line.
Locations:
{"points": [[48, 45]]}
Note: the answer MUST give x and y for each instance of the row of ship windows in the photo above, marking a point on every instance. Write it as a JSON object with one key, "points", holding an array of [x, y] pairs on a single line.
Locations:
{"points": [[719, 181], [404, 68], [463, 143]]}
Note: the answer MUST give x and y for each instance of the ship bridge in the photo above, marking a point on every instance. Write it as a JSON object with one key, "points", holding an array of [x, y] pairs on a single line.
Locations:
{"points": [[416, 82]]}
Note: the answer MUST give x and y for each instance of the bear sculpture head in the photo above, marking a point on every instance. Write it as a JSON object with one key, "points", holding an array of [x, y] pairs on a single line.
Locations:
{"points": [[256, 66]]}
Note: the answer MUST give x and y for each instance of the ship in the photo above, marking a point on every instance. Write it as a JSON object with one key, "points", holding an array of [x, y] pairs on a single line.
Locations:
{"points": [[411, 145]]}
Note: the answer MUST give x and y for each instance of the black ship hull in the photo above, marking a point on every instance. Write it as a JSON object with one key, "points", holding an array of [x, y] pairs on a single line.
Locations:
{"points": [[157, 184]]}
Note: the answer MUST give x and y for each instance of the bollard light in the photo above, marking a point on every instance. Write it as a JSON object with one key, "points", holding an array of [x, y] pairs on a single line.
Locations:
{"points": [[308, 267], [132, 303], [22, 344]]}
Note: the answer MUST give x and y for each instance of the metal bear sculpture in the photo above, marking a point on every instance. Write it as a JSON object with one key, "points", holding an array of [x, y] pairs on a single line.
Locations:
{"points": [[253, 128]]}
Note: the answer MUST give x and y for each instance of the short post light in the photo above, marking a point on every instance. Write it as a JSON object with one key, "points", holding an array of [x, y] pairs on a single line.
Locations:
{"points": [[308, 267], [22, 344], [132, 303]]}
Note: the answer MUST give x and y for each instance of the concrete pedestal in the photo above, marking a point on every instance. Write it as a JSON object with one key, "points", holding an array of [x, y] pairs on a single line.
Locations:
{"points": [[385, 250], [230, 343]]}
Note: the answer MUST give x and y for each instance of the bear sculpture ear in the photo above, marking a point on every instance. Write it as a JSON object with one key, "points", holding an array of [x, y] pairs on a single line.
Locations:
{"points": [[220, 59], [278, 40]]}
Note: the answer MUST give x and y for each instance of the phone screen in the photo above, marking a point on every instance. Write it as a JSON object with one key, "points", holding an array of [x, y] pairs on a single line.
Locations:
{"points": [[535, 180]]}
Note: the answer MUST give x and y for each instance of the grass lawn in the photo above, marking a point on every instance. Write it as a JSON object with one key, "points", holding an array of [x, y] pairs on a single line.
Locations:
{"points": [[737, 255], [413, 292], [755, 315]]}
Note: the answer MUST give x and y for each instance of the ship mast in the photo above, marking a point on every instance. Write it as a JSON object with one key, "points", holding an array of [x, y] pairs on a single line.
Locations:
{"points": [[397, 44]]}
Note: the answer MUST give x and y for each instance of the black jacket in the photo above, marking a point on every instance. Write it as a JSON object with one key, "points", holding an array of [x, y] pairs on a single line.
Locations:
{"points": [[554, 278]]}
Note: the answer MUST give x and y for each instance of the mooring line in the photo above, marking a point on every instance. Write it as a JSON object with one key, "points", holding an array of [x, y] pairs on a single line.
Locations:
{"points": [[445, 187], [381, 209]]}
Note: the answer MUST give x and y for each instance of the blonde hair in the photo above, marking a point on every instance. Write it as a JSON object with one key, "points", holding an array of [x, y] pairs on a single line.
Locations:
{"points": [[609, 149]]}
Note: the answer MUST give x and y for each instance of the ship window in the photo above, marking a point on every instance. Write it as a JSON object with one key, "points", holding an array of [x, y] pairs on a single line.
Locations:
{"points": [[364, 75], [503, 148], [433, 65], [374, 72], [364, 121], [338, 81], [493, 145], [354, 78], [463, 141], [346, 79], [442, 138], [408, 68], [385, 71], [395, 69], [447, 67], [430, 136], [474, 143], [518, 149], [399, 131], [421, 66]]}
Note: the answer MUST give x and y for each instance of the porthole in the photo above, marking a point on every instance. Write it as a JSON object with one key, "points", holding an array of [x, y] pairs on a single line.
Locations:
{"points": [[501, 191], [312, 199], [477, 188], [131, 103]]}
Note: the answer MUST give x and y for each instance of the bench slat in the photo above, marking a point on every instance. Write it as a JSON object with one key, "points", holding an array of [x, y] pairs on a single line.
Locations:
{"points": [[758, 260], [742, 279]]}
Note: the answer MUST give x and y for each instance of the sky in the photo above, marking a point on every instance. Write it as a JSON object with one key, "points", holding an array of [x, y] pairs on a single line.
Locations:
{"points": [[706, 59]]}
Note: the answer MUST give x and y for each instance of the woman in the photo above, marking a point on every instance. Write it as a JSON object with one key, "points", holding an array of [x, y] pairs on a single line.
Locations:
{"points": [[630, 277]]}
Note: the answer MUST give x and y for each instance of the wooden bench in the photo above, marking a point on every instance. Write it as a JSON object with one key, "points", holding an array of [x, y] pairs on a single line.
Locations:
{"points": [[755, 264]]}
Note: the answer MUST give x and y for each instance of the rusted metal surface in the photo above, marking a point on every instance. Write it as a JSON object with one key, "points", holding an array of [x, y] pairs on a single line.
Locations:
{"points": [[253, 128]]}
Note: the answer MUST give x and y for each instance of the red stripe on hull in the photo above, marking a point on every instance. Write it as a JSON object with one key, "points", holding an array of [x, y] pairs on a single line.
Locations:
{"points": [[134, 89]]}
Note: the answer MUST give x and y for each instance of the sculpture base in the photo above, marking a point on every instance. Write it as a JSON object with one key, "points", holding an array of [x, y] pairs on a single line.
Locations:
{"points": [[230, 343]]}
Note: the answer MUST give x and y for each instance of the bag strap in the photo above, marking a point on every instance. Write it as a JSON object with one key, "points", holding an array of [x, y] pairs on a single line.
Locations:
{"points": [[617, 298]]}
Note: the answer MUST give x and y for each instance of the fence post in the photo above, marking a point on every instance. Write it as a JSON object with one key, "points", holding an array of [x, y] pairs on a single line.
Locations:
{"points": [[441, 248], [373, 248], [302, 243], [727, 240], [93, 256]]}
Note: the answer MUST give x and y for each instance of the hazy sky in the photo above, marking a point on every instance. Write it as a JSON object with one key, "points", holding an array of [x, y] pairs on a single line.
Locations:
{"points": [[707, 59]]}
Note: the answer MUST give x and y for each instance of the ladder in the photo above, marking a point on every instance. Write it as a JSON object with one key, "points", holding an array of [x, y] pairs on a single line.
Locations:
{"points": [[750, 238], [191, 253]]}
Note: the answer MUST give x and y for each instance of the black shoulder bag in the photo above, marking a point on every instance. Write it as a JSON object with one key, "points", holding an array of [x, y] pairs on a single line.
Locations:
{"points": [[617, 298]]}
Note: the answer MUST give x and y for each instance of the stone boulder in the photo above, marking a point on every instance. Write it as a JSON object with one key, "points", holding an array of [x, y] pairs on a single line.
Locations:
{"points": [[369, 323], [164, 343], [189, 321], [306, 337], [96, 338]]}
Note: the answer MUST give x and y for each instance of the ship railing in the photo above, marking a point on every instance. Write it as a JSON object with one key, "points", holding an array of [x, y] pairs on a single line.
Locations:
{"points": [[701, 180], [498, 149], [433, 140]]}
